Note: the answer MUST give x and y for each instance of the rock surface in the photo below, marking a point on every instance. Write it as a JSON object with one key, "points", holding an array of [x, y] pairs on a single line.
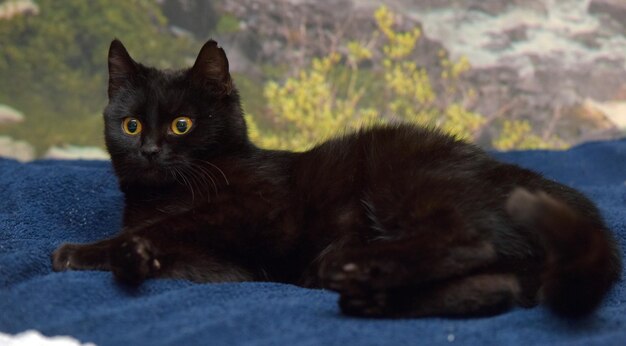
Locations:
{"points": [[539, 60], [12, 8], [14, 149], [615, 9], [10, 115], [71, 152]]}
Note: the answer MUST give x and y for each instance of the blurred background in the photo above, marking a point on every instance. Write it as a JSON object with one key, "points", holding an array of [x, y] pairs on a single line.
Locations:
{"points": [[506, 74]]}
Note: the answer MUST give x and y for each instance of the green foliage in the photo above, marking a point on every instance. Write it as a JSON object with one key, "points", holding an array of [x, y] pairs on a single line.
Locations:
{"points": [[53, 69], [53, 65], [226, 24], [331, 96], [517, 134], [309, 108]]}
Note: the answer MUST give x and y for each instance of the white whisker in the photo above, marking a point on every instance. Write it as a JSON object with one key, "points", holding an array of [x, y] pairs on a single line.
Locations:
{"points": [[207, 174], [222, 172], [187, 183], [200, 181]]}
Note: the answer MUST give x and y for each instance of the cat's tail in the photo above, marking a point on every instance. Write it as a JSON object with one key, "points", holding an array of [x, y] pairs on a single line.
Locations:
{"points": [[582, 260]]}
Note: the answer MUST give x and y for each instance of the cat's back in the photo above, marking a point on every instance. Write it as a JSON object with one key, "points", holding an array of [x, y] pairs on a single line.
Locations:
{"points": [[417, 143], [389, 158], [395, 146]]}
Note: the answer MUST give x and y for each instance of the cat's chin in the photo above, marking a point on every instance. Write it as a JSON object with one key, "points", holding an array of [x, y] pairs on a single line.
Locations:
{"points": [[150, 176]]}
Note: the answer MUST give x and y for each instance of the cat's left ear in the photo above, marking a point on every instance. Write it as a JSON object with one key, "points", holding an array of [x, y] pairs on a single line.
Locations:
{"points": [[122, 67], [211, 68]]}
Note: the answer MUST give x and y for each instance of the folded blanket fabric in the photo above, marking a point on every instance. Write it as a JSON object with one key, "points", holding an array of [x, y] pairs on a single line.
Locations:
{"points": [[45, 203]]}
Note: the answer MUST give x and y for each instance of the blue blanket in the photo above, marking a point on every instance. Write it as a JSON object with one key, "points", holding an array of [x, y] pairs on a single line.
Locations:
{"points": [[45, 203]]}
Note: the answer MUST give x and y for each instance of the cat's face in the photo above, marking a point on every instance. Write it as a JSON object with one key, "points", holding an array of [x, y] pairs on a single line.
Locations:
{"points": [[161, 122]]}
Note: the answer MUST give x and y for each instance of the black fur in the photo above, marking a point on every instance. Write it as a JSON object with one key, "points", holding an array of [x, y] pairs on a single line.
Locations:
{"points": [[400, 220]]}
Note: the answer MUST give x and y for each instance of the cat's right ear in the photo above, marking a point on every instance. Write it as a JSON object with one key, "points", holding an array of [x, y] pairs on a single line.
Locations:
{"points": [[122, 67], [211, 68]]}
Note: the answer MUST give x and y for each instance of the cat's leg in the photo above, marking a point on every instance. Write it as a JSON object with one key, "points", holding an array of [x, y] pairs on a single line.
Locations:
{"points": [[445, 269], [474, 295], [133, 259], [392, 264], [400, 263], [444, 249], [412, 278], [404, 279], [132, 253], [94, 256], [129, 252], [141, 255], [453, 275], [134, 256]]}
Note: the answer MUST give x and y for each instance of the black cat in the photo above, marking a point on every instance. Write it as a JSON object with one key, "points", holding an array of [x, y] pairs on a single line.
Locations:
{"points": [[400, 220]]}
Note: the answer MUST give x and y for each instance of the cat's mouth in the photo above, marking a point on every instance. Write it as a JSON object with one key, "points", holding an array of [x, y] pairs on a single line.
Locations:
{"points": [[152, 174], [161, 173]]}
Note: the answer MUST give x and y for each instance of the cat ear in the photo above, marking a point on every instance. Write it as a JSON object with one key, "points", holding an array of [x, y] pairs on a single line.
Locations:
{"points": [[122, 67], [211, 68]]}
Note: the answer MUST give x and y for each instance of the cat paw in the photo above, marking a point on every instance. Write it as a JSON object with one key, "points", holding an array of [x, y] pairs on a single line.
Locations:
{"points": [[367, 275], [343, 277], [364, 286], [134, 260], [372, 304], [63, 257], [352, 281]]}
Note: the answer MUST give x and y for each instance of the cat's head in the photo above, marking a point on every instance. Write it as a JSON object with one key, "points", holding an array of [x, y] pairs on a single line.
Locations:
{"points": [[159, 122]]}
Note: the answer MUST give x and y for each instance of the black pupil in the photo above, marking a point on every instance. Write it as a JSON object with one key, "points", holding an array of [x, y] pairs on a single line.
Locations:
{"points": [[132, 126], [181, 125]]}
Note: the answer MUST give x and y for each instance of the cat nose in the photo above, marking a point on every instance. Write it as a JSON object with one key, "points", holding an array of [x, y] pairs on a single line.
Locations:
{"points": [[150, 151]]}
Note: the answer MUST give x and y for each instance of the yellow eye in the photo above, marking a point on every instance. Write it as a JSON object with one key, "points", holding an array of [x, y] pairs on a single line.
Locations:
{"points": [[131, 126], [181, 125]]}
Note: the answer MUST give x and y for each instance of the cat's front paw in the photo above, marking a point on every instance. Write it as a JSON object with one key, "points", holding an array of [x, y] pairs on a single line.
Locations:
{"points": [[359, 293], [63, 257], [342, 276], [134, 260], [366, 304], [350, 273]]}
